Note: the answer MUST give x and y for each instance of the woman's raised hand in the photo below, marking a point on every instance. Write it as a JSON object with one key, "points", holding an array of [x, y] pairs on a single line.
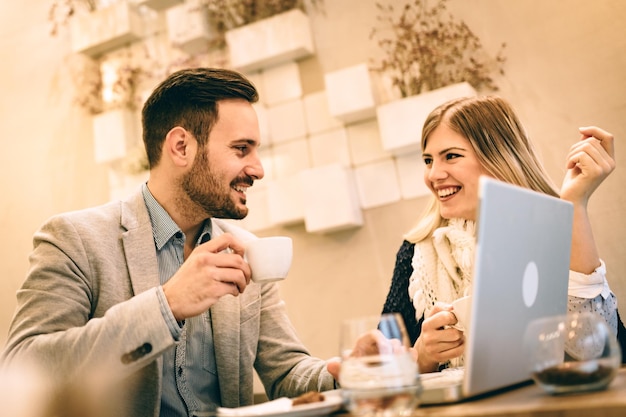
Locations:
{"points": [[589, 162]]}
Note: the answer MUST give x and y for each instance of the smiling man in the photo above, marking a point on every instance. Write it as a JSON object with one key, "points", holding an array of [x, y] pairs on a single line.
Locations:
{"points": [[152, 295]]}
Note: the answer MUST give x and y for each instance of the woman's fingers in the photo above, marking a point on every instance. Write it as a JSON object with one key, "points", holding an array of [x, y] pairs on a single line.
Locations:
{"points": [[606, 139]]}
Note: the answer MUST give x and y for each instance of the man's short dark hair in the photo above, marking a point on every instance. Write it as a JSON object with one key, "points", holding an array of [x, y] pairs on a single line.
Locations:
{"points": [[188, 98]]}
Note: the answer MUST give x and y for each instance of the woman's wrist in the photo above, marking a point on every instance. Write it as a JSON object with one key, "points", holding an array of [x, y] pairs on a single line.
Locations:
{"points": [[423, 364]]}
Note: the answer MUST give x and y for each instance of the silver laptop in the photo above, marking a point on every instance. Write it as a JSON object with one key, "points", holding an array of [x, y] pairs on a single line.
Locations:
{"points": [[520, 274]]}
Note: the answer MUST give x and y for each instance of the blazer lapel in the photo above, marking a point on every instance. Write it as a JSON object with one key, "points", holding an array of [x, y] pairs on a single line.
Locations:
{"points": [[226, 333], [138, 243]]}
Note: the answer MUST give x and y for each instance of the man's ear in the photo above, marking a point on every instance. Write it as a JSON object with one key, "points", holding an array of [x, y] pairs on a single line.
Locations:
{"points": [[180, 146]]}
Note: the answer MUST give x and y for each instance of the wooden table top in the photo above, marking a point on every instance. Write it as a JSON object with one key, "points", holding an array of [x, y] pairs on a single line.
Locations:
{"points": [[530, 401]]}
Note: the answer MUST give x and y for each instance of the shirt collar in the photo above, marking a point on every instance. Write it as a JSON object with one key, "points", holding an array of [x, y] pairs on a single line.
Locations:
{"points": [[163, 227]]}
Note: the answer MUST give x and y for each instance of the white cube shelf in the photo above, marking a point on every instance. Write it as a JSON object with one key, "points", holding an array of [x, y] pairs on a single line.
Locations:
{"points": [[377, 184], [330, 202], [318, 117], [286, 205], [351, 97], [282, 83], [410, 169], [115, 132], [188, 28], [401, 121], [105, 29], [284, 37]]}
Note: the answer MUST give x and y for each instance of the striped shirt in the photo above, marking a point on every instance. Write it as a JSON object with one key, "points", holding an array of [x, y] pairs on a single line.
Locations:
{"points": [[190, 382]]}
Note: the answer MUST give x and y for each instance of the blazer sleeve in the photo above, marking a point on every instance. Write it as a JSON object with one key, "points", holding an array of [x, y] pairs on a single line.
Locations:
{"points": [[76, 312], [283, 363]]}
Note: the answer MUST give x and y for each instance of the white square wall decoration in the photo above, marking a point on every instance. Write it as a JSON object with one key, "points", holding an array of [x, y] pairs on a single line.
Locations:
{"points": [[286, 205], [289, 158], [281, 83], [286, 121], [258, 217], [115, 132], [410, 169], [188, 27], [283, 37], [401, 121], [330, 199], [364, 143], [377, 183], [264, 126], [267, 161], [158, 4], [350, 94], [330, 147], [318, 117], [105, 29]]}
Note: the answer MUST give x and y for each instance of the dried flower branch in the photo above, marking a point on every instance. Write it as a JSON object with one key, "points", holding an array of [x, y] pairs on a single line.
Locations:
{"points": [[230, 14], [429, 49], [129, 68], [61, 11], [125, 75], [87, 81]]}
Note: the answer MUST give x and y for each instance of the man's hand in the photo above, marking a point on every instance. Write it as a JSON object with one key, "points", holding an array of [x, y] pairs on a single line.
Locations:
{"points": [[209, 273]]}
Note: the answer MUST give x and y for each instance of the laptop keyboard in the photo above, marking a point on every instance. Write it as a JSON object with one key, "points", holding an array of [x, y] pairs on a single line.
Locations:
{"points": [[445, 378]]}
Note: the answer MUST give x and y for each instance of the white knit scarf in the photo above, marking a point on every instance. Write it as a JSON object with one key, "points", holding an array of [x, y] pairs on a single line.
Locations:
{"points": [[442, 267]]}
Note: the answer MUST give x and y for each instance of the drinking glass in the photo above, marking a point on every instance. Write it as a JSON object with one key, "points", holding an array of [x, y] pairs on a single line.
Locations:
{"points": [[572, 353], [379, 375]]}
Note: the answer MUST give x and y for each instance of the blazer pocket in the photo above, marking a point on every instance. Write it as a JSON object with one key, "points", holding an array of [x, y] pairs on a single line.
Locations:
{"points": [[250, 307]]}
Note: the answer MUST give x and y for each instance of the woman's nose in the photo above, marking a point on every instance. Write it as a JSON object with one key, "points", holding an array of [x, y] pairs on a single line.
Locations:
{"points": [[436, 172]]}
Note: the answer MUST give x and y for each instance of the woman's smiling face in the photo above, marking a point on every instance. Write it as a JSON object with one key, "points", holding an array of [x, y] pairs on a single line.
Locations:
{"points": [[452, 173]]}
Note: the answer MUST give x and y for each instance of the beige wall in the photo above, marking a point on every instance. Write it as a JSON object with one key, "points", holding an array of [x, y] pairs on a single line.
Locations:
{"points": [[566, 68]]}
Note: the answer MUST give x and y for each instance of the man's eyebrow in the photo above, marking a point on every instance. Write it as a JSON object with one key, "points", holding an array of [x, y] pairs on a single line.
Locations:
{"points": [[247, 141]]}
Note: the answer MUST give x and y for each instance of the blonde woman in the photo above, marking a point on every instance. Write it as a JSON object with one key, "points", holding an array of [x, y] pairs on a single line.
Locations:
{"points": [[462, 140]]}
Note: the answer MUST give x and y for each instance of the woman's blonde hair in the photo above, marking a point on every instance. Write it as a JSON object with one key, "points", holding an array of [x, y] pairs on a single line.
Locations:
{"points": [[500, 143]]}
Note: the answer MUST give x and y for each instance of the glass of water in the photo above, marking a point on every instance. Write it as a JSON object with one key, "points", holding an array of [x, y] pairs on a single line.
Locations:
{"points": [[379, 375], [572, 353]]}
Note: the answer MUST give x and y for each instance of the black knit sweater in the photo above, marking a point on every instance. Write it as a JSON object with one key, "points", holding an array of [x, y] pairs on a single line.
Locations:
{"points": [[398, 300]]}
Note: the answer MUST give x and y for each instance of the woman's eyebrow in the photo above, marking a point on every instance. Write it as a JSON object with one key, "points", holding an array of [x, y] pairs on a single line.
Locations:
{"points": [[452, 148]]}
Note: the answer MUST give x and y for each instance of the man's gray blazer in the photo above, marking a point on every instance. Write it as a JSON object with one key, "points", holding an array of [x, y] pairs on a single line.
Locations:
{"points": [[89, 310]]}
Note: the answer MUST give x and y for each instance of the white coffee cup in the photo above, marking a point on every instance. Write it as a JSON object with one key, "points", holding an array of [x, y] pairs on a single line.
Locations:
{"points": [[269, 258], [461, 308]]}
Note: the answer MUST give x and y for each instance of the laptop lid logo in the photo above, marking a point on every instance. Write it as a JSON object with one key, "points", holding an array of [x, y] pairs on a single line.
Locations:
{"points": [[530, 284]]}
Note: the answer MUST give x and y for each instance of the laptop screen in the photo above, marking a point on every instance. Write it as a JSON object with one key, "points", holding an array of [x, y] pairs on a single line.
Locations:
{"points": [[521, 273]]}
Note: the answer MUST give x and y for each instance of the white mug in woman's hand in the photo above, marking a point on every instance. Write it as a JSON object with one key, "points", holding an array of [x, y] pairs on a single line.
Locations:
{"points": [[461, 309]]}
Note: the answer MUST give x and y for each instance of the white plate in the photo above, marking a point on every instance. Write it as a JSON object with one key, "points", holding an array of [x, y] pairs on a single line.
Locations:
{"points": [[332, 402]]}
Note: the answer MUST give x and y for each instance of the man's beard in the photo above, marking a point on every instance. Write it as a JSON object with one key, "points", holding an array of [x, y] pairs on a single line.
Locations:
{"points": [[203, 188]]}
